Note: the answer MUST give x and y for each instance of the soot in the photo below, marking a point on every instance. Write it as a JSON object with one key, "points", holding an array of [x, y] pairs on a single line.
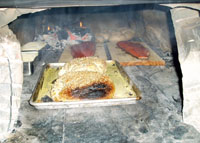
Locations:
{"points": [[92, 92]]}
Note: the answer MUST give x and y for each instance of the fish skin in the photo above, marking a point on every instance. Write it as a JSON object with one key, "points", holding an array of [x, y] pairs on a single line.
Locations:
{"points": [[85, 49]]}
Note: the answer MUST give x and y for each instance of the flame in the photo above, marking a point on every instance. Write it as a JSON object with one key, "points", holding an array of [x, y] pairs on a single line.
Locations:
{"points": [[48, 28], [81, 24]]}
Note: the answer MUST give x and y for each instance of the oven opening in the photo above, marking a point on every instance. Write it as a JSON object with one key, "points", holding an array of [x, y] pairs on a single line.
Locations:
{"points": [[137, 62]]}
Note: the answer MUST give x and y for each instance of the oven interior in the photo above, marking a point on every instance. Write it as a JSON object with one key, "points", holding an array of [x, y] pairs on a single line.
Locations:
{"points": [[157, 117]]}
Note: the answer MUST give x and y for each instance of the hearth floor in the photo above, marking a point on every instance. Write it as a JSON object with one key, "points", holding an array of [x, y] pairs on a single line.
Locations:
{"points": [[156, 118]]}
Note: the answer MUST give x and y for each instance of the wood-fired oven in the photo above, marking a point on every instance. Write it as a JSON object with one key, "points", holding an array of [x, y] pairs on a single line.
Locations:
{"points": [[151, 52]]}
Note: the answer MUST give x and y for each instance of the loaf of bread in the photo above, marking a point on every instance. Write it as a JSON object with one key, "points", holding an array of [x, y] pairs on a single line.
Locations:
{"points": [[83, 78], [93, 64], [82, 85]]}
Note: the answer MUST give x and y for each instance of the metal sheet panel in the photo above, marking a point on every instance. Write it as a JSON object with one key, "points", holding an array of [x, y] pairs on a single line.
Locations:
{"points": [[126, 91]]}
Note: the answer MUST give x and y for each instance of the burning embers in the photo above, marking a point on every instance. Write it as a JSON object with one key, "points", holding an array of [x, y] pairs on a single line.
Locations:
{"points": [[80, 42], [61, 37], [81, 36]]}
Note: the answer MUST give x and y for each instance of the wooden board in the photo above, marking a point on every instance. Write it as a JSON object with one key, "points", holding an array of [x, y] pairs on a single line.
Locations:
{"points": [[119, 55], [66, 55], [126, 59]]}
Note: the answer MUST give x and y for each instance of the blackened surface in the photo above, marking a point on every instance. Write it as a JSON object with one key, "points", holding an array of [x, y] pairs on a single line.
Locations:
{"points": [[46, 99], [91, 92]]}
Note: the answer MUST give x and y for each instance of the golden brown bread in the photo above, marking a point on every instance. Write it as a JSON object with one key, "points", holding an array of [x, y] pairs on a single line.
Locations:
{"points": [[82, 85], [83, 78], [93, 64]]}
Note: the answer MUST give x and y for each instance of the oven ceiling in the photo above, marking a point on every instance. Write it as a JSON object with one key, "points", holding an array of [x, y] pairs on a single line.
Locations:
{"points": [[70, 3]]}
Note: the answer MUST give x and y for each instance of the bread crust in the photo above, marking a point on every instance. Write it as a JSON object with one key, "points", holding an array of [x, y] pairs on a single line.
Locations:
{"points": [[92, 64], [64, 85]]}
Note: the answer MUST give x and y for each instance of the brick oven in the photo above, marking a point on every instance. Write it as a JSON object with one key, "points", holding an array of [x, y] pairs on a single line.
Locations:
{"points": [[36, 33]]}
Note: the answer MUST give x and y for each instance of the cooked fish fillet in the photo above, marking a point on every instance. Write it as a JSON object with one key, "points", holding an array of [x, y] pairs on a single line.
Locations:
{"points": [[82, 85], [93, 64]]}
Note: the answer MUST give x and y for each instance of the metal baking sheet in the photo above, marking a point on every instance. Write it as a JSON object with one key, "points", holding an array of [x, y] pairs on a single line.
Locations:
{"points": [[126, 91]]}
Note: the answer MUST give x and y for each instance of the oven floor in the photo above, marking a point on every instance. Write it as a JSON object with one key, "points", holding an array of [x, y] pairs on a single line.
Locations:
{"points": [[156, 118]]}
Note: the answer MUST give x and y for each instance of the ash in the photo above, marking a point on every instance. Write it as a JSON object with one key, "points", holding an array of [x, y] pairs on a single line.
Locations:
{"points": [[59, 38]]}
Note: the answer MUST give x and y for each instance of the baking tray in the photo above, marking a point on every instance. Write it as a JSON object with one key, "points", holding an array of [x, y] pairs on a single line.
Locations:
{"points": [[126, 91]]}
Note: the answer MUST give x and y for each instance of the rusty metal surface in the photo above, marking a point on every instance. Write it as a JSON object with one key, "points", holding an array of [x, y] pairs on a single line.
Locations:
{"points": [[126, 91]]}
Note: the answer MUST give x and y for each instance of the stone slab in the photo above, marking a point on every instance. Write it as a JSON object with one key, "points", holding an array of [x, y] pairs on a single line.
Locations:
{"points": [[155, 116], [16, 68], [5, 74], [187, 30], [11, 71], [5, 90], [8, 15], [9, 44]]}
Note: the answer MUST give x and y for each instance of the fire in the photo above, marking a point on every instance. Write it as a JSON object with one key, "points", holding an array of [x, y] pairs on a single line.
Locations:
{"points": [[81, 24], [48, 28]]}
